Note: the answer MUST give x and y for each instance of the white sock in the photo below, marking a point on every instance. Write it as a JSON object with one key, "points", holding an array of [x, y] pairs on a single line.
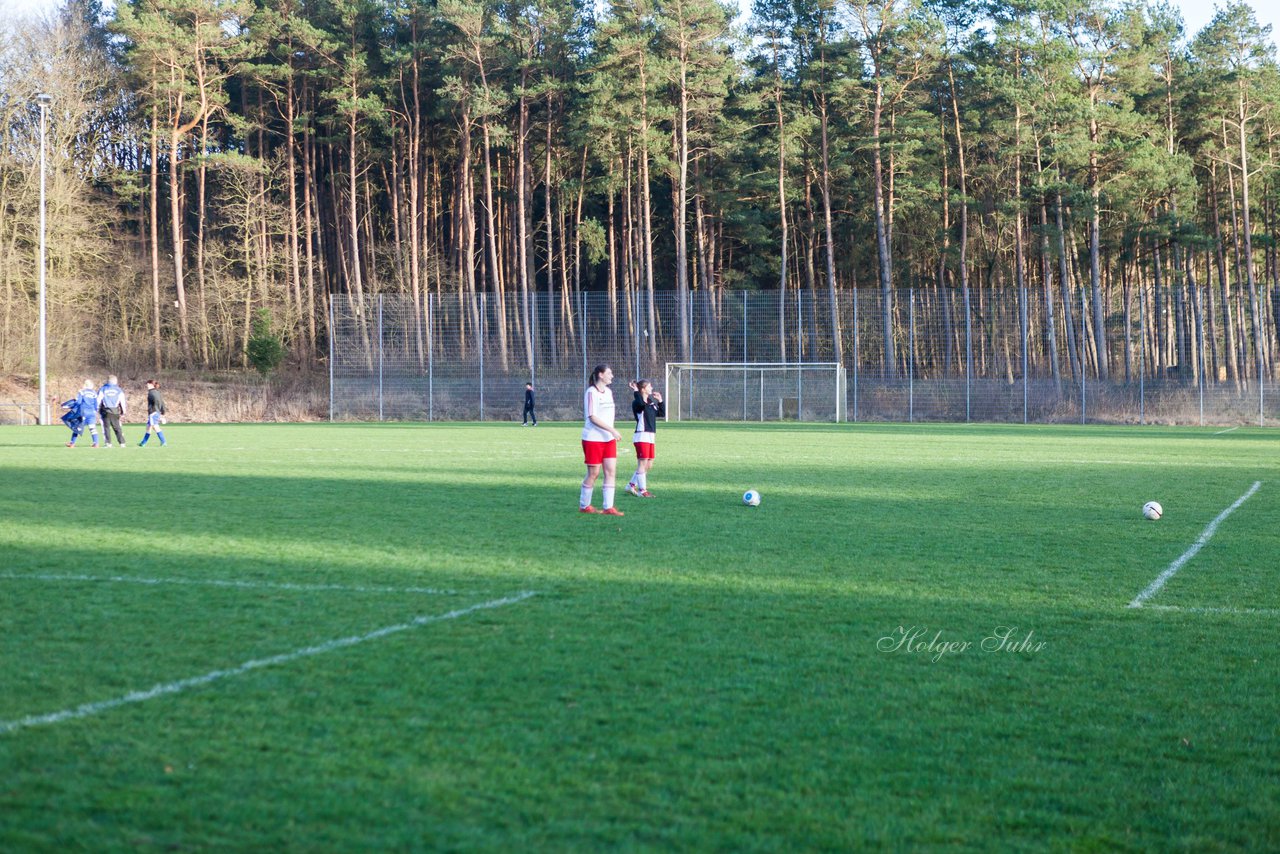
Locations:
{"points": [[584, 499], [642, 480], [608, 496], [637, 479]]}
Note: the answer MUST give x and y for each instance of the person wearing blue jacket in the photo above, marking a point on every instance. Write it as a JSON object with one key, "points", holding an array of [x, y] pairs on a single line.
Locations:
{"points": [[86, 404]]}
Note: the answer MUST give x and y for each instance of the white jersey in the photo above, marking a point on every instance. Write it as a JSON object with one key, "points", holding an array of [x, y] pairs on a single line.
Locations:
{"points": [[600, 404]]}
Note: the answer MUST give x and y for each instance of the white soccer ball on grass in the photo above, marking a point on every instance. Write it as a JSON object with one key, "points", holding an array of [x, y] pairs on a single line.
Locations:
{"points": [[751, 498], [1152, 510]]}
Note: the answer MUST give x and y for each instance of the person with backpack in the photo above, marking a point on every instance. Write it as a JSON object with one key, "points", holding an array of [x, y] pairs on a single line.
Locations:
{"points": [[112, 406]]}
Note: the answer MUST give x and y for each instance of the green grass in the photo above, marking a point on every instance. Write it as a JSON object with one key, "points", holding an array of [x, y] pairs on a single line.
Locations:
{"points": [[697, 675]]}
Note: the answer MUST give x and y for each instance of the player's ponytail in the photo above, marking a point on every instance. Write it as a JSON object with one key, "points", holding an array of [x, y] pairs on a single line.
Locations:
{"points": [[595, 375]]}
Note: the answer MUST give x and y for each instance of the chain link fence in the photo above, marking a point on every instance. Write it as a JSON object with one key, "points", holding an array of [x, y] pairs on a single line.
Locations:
{"points": [[19, 413], [924, 355]]}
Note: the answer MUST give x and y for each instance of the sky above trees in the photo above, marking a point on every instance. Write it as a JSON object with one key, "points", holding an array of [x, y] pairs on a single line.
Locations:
{"points": [[1195, 13]]}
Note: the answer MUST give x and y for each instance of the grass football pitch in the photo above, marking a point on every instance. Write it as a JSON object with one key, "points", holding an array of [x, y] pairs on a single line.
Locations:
{"points": [[405, 637]]}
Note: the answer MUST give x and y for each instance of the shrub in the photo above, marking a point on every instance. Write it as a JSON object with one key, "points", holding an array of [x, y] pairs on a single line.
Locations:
{"points": [[266, 350]]}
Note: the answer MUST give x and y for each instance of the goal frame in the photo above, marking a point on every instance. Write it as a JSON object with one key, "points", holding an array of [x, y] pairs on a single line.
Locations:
{"points": [[760, 369]]}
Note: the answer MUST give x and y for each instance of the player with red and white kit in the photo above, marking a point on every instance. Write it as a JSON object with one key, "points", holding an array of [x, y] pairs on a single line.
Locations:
{"points": [[647, 408], [599, 442]]}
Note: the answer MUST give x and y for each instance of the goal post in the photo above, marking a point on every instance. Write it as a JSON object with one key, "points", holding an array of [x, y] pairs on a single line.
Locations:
{"points": [[755, 391]]}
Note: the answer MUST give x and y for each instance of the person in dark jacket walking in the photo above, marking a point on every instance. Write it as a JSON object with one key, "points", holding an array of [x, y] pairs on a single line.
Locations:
{"points": [[528, 407]]}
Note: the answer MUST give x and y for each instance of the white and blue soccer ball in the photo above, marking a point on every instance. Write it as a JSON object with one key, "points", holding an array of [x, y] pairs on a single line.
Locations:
{"points": [[751, 498], [1152, 510]]}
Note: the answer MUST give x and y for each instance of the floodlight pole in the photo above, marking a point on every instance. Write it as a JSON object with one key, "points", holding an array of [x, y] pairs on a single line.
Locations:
{"points": [[44, 101]]}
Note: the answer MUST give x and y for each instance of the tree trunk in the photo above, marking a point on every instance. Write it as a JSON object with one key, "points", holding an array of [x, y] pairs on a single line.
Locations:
{"points": [[882, 236]]}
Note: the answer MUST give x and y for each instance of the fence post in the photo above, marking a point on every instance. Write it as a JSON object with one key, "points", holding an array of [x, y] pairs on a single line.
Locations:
{"points": [[1142, 355], [1022, 300], [380, 357], [968, 358], [1084, 307], [1259, 346], [799, 356], [331, 352], [911, 355], [856, 359], [744, 355], [1200, 341], [431, 358], [484, 324]]}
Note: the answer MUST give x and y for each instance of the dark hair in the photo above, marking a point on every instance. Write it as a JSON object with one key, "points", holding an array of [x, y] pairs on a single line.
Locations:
{"points": [[155, 383], [642, 383], [595, 375]]}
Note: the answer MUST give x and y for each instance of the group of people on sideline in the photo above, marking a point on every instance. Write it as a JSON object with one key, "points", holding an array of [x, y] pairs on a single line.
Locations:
{"points": [[109, 404]]}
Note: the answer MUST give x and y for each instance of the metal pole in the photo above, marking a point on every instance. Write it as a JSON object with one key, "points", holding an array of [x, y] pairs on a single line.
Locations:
{"points": [[799, 356], [744, 355], [44, 101], [1083, 401], [636, 336], [855, 356], [968, 359], [331, 352], [1200, 342], [484, 322], [1142, 355], [532, 336], [1022, 296], [381, 357], [911, 355], [431, 356]]}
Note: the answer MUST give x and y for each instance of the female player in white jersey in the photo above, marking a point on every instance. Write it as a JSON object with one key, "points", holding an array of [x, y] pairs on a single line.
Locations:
{"points": [[599, 442], [647, 407]]}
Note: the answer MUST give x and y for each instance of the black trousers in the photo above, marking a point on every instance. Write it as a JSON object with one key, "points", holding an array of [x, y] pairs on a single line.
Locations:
{"points": [[528, 413], [110, 423]]}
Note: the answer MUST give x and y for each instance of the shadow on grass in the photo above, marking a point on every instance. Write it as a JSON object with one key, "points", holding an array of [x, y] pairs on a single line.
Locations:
{"points": [[636, 710]]}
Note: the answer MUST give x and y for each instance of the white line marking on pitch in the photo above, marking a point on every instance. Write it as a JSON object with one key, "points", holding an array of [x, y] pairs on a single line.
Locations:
{"points": [[1228, 430], [88, 709], [1208, 532], [1266, 612], [239, 585]]}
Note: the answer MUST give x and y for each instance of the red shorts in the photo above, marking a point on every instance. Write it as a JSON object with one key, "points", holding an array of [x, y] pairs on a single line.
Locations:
{"points": [[644, 450], [595, 453]]}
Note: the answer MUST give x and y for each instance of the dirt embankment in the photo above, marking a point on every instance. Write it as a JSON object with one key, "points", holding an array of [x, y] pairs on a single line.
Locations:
{"points": [[188, 396]]}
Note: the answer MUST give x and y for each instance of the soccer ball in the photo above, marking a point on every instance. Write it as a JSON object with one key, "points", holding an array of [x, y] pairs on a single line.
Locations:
{"points": [[1152, 510], [751, 498]]}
